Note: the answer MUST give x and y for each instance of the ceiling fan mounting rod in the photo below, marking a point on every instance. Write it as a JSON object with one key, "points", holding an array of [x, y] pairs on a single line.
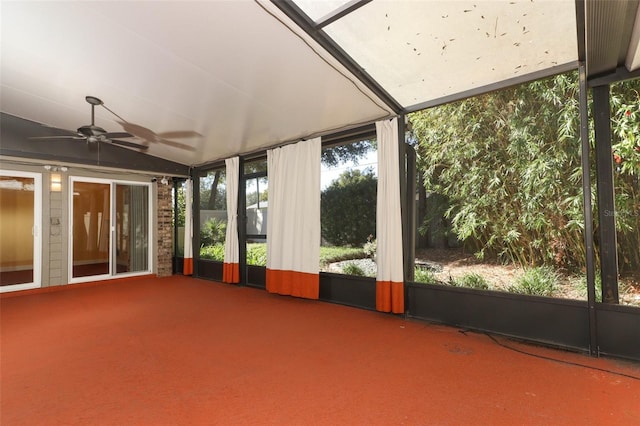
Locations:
{"points": [[93, 101]]}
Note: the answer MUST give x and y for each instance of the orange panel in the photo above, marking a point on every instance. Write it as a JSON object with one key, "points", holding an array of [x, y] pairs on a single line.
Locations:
{"points": [[231, 273], [390, 296], [187, 268], [293, 283]]}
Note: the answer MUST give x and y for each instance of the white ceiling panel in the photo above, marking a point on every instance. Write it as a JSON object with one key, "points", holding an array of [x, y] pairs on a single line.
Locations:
{"points": [[230, 71], [420, 51]]}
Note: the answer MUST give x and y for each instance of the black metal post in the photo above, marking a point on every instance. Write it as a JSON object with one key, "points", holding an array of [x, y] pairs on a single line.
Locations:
{"points": [[407, 199], [606, 203], [174, 256], [403, 191], [410, 219], [195, 225], [588, 210], [242, 223]]}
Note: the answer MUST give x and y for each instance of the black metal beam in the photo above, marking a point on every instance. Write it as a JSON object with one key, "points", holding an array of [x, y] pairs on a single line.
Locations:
{"points": [[620, 74], [606, 201], [525, 78], [340, 12], [581, 16], [356, 134], [296, 14], [588, 210]]}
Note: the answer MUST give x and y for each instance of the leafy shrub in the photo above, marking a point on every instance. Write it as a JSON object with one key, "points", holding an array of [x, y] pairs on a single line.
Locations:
{"points": [[214, 252], [370, 247], [582, 286], [538, 281], [422, 275], [257, 254], [518, 148], [213, 231], [337, 254], [353, 269], [470, 280], [348, 208]]}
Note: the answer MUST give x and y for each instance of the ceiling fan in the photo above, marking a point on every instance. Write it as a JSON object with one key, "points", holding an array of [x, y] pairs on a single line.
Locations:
{"points": [[149, 136], [93, 134]]}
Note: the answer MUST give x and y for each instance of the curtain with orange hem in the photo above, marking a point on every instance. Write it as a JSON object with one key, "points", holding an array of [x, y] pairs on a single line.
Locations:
{"points": [[293, 228], [390, 275], [231, 268], [187, 267]]}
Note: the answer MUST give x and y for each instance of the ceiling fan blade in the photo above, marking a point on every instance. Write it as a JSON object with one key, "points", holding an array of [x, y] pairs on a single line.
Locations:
{"points": [[138, 131], [150, 136], [129, 144], [118, 135], [70, 137], [176, 144], [180, 134]]}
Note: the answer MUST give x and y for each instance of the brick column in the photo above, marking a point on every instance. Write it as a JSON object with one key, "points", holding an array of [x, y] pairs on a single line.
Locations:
{"points": [[165, 230]]}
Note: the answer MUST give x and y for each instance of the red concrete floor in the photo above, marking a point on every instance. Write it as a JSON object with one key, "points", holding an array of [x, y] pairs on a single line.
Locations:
{"points": [[182, 351]]}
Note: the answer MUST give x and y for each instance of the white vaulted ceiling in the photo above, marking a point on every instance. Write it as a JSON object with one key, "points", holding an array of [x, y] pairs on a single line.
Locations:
{"points": [[227, 70], [245, 77]]}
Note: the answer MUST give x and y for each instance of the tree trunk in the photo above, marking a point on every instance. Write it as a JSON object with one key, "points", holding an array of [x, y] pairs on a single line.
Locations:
{"points": [[214, 191]]}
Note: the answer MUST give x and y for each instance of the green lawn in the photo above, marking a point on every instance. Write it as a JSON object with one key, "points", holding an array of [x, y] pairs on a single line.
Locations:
{"points": [[257, 254]]}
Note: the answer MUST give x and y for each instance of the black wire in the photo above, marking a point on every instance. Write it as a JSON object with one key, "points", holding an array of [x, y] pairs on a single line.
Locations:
{"points": [[577, 364]]}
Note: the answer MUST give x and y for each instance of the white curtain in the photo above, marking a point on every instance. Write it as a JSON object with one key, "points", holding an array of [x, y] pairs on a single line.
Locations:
{"points": [[231, 271], [293, 229], [390, 276], [188, 229]]}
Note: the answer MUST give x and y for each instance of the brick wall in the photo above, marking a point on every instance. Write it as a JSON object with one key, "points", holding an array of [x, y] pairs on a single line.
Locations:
{"points": [[165, 230]]}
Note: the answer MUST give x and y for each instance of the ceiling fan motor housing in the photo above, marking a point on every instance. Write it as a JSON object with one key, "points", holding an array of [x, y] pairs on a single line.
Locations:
{"points": [[91, 130]]}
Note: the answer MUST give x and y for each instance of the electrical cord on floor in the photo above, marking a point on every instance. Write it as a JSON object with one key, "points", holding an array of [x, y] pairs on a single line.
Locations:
{"points": [[577, 364]]}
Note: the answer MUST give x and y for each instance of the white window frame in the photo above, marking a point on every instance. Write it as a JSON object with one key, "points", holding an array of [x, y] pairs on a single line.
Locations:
{"points": [[112, 229], [36, 231]]}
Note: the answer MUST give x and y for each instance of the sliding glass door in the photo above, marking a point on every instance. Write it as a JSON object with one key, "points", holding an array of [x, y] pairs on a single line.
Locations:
{"points": [[132, 228], [20, 233], [91, 234], [110, 229]]}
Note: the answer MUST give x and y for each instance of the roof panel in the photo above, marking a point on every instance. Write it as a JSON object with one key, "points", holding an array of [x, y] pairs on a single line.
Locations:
{"points": [[316, 9], [421, 51], [633, 54], [236, 72]]}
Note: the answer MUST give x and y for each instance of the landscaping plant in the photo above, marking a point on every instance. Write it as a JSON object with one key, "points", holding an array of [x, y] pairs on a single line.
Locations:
{"points": [[470, 280], [538, 281]]}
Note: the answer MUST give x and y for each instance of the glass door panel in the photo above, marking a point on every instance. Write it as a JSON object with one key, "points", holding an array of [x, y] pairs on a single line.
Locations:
{"points": [[257, 207], [132, 228], [19, 234], [91, 234]]}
